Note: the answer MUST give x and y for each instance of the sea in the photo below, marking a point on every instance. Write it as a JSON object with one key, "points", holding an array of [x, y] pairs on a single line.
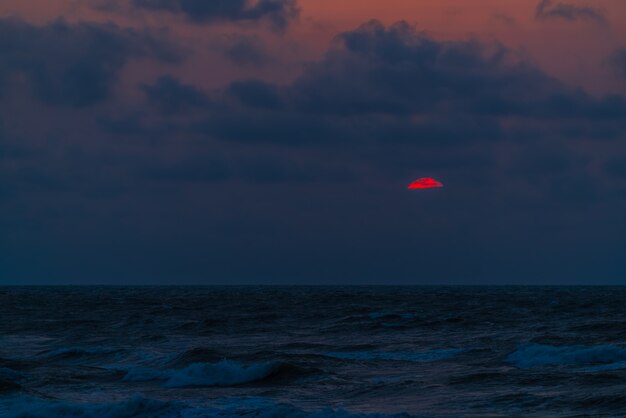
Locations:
{"points": [[293, 351]]}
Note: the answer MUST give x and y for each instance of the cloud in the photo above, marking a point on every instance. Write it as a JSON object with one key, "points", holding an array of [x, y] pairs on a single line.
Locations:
{"points": [[285, 128], [249, 169], [192, 170], [396, 85], [618, 61], [546, 9], [246, 51], [74, 65], [398, 70], [278, 12], [171, 96], [255, 93]]}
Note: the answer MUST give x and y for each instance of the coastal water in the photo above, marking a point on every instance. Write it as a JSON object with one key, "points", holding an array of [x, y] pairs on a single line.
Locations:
{"points": [[312, 352]]}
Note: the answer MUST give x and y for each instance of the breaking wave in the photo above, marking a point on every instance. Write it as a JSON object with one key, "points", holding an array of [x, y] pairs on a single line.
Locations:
{"points": [[223, 373], [276, 352], [537, 355]]}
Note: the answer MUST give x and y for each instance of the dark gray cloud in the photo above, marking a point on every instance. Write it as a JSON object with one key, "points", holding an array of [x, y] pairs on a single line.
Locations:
{"points": [[397, 85], [548, 9], [172, 96], [278, 12], [256, 93], [618, 61], [251, 169], [131, 124], [246, 51], [73, 65], [398, 70], [192, 170], [286, 128]]}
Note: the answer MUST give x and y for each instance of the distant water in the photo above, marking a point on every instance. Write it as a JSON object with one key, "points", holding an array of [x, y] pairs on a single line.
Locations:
{"points": [[312, 352]]}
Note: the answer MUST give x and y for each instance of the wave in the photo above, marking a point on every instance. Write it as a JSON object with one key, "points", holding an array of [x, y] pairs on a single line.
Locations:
{"points": [[288, 411], [8, 373], [137, 406], [140, 407], [223, 373], [194, 355], [415, 356], [144, 374], [620, 365], [537, 355], [390, 315], [7, 386], [9, 379], [71, 353]]}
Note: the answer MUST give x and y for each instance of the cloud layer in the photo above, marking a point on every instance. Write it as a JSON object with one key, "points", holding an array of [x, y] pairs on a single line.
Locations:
{"points": [[73, 65], [118, 163], [277, 12]]}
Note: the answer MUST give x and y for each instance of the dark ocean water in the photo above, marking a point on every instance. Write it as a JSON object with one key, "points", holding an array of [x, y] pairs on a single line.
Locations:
{"points": [[312, 352]]}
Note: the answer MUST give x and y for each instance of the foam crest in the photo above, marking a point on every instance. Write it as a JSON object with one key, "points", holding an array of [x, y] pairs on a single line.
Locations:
{"points": [[537, 355], [223, 373]]}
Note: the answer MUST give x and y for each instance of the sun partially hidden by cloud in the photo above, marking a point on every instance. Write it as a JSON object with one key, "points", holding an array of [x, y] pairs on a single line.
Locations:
{"points": [[425, 183]]}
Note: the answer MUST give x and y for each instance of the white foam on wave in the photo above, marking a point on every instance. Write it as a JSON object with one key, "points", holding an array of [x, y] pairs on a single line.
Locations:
{"points": [[537, 355], [412, 356]]}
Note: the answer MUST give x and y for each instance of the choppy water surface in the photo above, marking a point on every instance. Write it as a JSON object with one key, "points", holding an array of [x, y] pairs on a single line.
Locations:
{"points": [[312, 352]]}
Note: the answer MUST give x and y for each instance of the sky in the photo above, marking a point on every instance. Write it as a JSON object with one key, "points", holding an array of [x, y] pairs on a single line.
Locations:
{"points": [[272, 142]]}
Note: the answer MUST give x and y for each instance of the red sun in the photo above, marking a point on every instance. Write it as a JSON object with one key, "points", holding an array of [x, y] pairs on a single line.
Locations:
{"points": [[425, 183]]}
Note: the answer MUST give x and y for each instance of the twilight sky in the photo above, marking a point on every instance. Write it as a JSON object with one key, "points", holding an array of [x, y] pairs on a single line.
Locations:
{"points": [[272, 141]]}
